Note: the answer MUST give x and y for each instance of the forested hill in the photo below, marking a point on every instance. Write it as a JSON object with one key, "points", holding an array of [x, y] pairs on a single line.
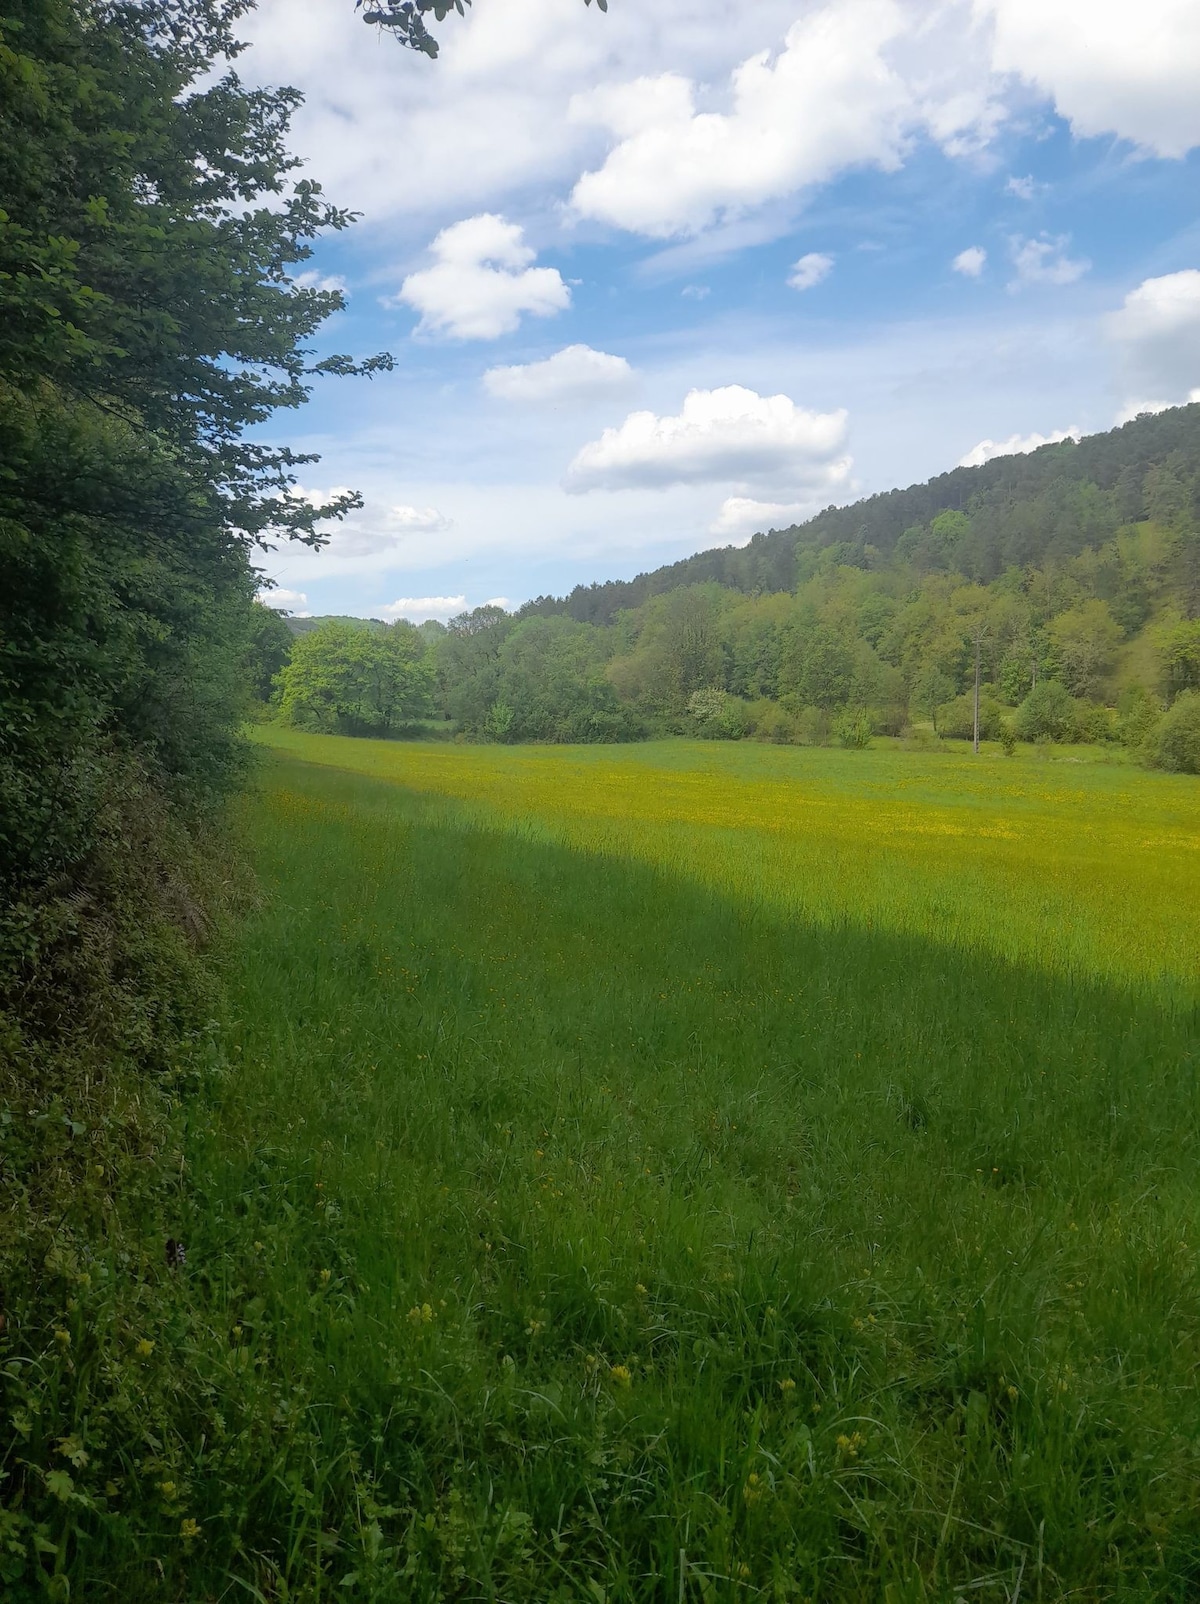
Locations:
{"points": [[1053, 502]]}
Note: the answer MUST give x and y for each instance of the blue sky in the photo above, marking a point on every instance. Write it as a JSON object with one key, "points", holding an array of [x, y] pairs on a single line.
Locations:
{"points": [[656, 279]]}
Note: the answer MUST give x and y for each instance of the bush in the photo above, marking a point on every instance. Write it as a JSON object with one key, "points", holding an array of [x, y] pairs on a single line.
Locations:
{"points": [[889, 720], [1048, 713], [1138, 714], [714, 715], [1177, 742], [956, 719], [770, 721], [853, 728]]}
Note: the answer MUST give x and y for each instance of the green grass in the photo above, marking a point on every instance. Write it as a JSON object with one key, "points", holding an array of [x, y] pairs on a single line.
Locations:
{"points": [[683, 1173]]}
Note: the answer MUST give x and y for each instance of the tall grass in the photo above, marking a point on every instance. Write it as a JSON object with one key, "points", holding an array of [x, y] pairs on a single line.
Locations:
{"points": [[687, 1174]]}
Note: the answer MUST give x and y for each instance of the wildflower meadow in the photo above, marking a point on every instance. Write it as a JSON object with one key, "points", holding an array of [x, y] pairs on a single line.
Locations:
{"points": [[676, 1173]]}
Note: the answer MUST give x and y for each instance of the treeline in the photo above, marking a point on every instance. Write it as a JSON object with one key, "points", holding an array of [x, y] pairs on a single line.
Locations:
{"points": [[1095, 638], [148, 227]]}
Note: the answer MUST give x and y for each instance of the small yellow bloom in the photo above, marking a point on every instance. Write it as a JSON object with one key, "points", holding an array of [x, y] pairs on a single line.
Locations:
{"points": [[640, 1290], [188, 1530], [620, 1374], [787, 1385], [144, 1348], [325, 1274], [167, 1489], [63, 1338]]}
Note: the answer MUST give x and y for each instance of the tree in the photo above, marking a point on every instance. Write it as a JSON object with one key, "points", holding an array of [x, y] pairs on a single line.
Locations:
{"points": [[1179, 653], [147, 319], [1178, 740], [345, 680], [268, 647], [1085, 639], [1047, 714]]}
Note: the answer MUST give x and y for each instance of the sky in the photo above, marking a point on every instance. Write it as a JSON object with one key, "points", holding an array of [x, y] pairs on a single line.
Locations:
{"points": [[658, 278]]}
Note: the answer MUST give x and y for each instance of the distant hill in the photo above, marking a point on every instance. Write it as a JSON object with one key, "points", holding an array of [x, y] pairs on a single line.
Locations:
{"points": [[1053, 502], [302, 626]]}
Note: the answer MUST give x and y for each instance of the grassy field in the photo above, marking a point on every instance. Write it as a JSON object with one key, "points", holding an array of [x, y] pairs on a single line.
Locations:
{"points": [[689, 1172]]}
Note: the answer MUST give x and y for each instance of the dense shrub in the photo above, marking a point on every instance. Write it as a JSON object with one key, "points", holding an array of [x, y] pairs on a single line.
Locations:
{"points": [[771, 721], [853, 728], [1048, 713], [716, 716], [956, 719], [1177, 739]]}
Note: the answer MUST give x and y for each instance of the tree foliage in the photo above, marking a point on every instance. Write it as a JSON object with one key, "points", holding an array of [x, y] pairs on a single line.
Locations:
{"points": [[405, 19], [151, 220], [346, 680], [1090, 645]]}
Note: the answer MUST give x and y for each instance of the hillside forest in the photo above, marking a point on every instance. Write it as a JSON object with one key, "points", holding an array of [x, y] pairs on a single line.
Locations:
{"points": [[1073, 573]]}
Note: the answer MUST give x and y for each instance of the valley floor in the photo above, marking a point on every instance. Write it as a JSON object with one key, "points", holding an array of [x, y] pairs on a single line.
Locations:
{"points": [[687, 1172]]}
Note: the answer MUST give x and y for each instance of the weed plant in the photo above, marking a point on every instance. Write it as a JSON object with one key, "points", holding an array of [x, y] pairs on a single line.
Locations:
{"points": [[681, 1174]]}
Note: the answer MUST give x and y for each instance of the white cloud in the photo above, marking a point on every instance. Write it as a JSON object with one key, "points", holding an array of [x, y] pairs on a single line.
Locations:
{"points": [[1157, 332], [742, 516], [416, 609], [971, 262], [1016, 445], [1108, 67], [572, 374], [481, 281], [730, 434], [416, 520], [828, 101], [1044, 261], [310, 279], [810, 270], [1021, 188], [1136, 409], [284, 600], [371, 533]]}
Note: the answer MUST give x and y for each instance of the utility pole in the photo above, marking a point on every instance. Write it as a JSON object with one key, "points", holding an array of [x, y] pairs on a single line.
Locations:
{"points": [[978, 639]]}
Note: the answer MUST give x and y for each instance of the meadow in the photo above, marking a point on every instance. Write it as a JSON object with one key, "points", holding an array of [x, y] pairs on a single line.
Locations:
{"points": [[689, 1172]]}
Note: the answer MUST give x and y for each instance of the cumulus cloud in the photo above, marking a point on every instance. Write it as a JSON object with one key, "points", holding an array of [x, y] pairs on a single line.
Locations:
{"points": [[284, 600], [1107, 68], [730, 434], [1016, 445], [1136, 408], [575, 373], [855, 81], [1157, 333], [1021, 188], [827, 102], [971, 262], [481, 281], [742, 516], [810, 270], [1044, 261], [416, 609]]}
